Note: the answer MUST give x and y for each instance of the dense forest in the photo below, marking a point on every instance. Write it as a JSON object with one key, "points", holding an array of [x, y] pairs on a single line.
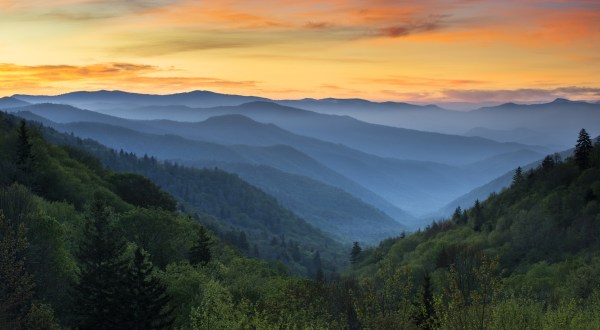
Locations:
{"points": [[84, 247]]}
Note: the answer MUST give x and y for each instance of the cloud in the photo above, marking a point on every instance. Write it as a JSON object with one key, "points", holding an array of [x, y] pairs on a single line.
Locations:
{"points": [[133, 76], [411, 81], [319, 25], [396, 31]]}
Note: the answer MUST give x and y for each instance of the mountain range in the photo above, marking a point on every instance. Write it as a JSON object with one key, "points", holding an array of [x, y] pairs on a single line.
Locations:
{"points": [[332, 146]]}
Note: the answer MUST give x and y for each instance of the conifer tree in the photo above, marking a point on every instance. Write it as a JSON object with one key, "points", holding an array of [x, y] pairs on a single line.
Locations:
{"points": [[548, 162], [457, 215], [24, 156], [518, 177], [16, 285], [145, 303], [583, 149], [24, 159], [425, 316], [200, 253], [96, 298], [477, 215]]}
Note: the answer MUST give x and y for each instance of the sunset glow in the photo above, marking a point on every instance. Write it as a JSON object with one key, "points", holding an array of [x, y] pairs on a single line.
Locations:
{"points": [[414, 51]]}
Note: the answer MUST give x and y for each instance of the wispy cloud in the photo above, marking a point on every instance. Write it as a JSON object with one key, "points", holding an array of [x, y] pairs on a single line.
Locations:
{"points": [[138, 77]]}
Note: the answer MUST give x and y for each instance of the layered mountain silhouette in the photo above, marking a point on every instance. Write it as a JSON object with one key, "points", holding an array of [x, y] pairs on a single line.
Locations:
{"points": [[395, 171]]}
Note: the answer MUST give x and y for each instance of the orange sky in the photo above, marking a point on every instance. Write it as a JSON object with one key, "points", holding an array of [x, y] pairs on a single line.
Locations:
{"points": [[415, 51]]}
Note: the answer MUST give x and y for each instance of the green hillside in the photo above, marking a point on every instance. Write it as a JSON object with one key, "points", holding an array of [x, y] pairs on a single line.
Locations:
{"points": [[241, 214], [61, 212], [71, 233]]}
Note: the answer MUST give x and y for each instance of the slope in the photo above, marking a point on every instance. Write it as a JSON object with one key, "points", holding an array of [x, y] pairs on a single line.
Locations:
{"points": [[222, 201]]}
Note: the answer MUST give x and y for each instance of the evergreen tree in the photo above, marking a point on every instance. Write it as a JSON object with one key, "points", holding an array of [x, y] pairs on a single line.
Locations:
{"points": [[24, 155], [457, 215], [425, 316], [24, 159], [583, 149], [518, 177], [145, 303], [354, 254], [16, 285], [96, 297], [548, 162], [200, 253], [477, 216]]}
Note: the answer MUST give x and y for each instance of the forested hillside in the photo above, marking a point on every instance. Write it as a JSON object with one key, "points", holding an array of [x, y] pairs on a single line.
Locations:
{"points": [[242, 215], [525, 258], [84, 247]]}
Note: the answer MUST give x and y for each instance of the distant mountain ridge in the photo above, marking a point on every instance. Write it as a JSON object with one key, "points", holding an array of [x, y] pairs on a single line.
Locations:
{"points": [[368, 149], [412, 185]]}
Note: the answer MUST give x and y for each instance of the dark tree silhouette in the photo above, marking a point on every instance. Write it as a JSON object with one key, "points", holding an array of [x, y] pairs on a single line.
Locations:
{"points": [[16, 285], [425, 316], [518, 177], [200, 253], [24, 160], [477, 216], [145, 303], [96, 298], [457, 215], [548, 162], [583, 148]]}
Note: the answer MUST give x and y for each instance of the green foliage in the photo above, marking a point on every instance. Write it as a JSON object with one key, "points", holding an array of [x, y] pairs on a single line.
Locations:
{"points": [[99, 290], [201, 253], [147, 306], [583, 149], [537, 242], [16, 285], [165, 235], [223, 203], [41, 317], [139, 191], [355, 253]]}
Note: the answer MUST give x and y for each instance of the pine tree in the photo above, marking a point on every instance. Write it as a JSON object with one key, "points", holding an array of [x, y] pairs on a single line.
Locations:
{"points": [[200, 253], [24, 156], [583, 149], [145, 303], [354, 254], [24, 159], [457, 216], [16, 285], [477, 215], [518, 177], [548, 162], [425, 316], [96, 297]]}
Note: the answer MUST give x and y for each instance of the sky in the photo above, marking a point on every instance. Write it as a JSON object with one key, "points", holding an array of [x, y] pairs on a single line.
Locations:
{"points": [[426, 51]]}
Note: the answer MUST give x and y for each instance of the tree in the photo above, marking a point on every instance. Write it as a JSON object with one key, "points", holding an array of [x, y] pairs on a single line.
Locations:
{"points": [[518, 177], [24, 160], [477, 214], [146, 302], [96, 297], [457, 216], [16, 285], [425, 316], [200, 253], [583, 148], [356, 250], [548, 162]]}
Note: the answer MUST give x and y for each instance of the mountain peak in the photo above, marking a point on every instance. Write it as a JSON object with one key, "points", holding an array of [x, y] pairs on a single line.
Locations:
{"points": [[561, 100]]}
